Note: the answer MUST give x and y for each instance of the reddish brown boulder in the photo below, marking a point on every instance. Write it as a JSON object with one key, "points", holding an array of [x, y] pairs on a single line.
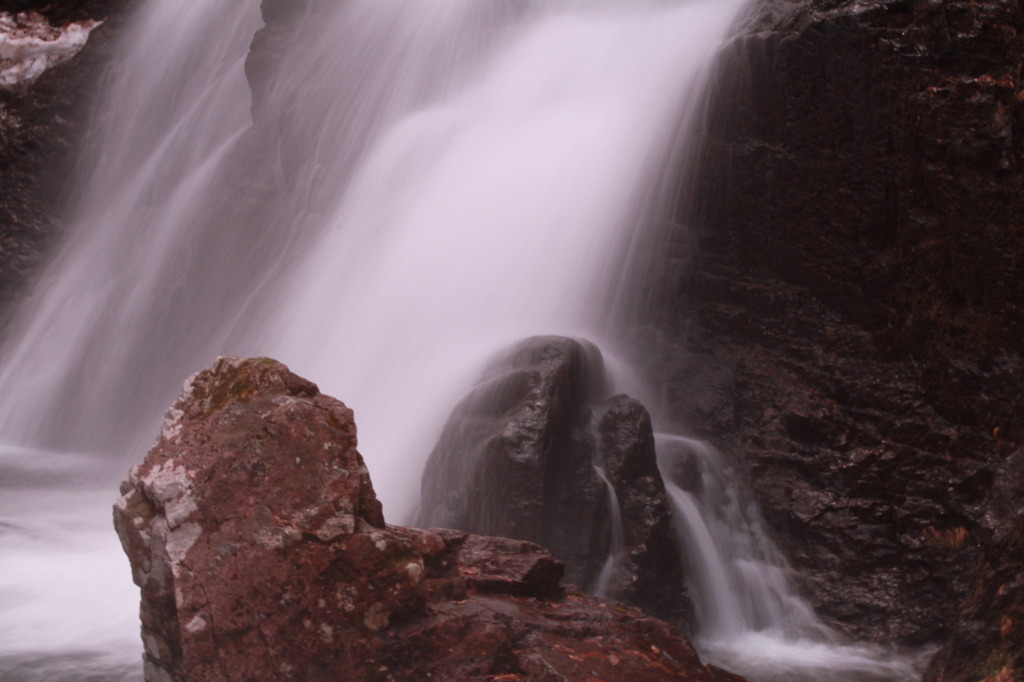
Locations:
{"points": [[262, 554]]}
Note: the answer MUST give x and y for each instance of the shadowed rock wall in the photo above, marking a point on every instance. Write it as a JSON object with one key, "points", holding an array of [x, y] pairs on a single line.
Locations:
{"points": [[848, 323]]}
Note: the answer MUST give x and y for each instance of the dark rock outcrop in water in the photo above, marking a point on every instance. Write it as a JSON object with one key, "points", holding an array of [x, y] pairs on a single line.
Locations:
{"points": [[42, 126], [519, 442], [517, 459], [649, 573], [268, 45], [849, 325], [262, 554]]}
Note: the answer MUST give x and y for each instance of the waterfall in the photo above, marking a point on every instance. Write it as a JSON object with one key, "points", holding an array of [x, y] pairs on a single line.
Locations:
{"points": [[741, 579], [399, 214], [752, 618], [421, 183]]}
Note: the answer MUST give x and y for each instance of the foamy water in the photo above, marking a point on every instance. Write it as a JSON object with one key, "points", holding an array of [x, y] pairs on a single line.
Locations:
{"points": [[68, 609]]}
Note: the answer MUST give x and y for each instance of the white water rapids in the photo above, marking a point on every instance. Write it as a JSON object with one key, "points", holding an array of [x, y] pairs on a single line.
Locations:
{"points": [[427, 182]]}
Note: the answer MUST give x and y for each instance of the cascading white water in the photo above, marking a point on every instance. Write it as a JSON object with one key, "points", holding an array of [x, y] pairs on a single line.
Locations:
{"points": [[499, 212], [427, 181], [742, 585], [476, 182], [752, 618]]}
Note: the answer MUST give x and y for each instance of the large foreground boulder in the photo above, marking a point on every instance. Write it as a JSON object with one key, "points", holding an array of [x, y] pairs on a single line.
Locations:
{"points": [[536, 451], [262, 554]]}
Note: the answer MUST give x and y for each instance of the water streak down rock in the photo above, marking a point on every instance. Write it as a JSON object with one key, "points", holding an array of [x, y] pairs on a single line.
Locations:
{"points": [[517, 459], [262, 554]]}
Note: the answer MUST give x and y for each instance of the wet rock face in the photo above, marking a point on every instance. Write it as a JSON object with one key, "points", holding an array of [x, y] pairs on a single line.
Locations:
{"points": [[505, 459], [862, 138], [987, 640], [62, 13], [849, 326], [988, 637], [42, 127], [517, 457], [262, 554]]}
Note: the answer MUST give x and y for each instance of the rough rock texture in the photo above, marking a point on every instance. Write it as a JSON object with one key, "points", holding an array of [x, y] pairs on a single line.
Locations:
{"points": [[66, 11], [516, 459], [847, 325], [987, 642], [262, 554], [42, 126], [988, 639]]}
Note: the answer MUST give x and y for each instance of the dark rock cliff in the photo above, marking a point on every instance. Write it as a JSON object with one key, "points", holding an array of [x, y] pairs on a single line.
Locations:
{"points": [[848, 323]]}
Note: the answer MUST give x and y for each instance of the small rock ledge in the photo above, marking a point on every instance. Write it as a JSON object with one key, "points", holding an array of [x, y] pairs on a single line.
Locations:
{"points": [[262, 554]]}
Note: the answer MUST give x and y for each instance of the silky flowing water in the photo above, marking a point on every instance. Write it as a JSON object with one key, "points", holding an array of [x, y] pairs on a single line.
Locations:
{"points": [[425, 183]]}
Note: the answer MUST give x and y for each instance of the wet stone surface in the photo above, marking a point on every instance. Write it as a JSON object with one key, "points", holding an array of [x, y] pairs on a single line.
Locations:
{"points": [[846, 321]]}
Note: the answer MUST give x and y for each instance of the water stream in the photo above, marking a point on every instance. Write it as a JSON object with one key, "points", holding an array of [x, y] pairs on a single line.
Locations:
{"points": [[618, 539], [752, 617], [425, 183]]}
